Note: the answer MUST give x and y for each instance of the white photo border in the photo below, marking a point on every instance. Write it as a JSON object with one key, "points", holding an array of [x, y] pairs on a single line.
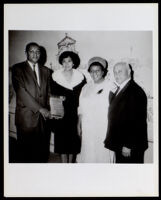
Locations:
{"points": [[90, 180]]}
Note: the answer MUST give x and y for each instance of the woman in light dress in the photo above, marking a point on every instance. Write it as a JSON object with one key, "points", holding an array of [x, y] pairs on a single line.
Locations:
{"points": [[92, 111]]}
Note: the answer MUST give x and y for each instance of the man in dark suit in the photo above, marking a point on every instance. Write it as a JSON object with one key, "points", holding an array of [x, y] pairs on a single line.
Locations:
{"points": [[127, 126], [31, 83]]}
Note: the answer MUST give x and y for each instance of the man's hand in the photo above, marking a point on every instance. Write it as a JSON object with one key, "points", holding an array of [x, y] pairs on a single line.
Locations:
{"points": [[126, 151], [45, 113], [54, 116]]}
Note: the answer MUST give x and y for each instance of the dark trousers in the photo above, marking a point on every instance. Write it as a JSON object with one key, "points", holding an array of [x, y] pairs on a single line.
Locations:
{"points": [[136, 157], [33, 146]]}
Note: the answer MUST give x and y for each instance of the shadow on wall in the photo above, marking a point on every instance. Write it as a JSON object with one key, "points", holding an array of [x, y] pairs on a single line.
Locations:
{"points": [[43, 57]]}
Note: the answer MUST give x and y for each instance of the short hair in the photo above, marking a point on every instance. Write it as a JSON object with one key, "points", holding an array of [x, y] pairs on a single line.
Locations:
{"points": [[127, 65], [74, 56], [104, 69], [31, 44]]}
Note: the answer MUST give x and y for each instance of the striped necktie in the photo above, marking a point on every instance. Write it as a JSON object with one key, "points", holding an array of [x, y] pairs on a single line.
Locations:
{"points": [[117, 90]]}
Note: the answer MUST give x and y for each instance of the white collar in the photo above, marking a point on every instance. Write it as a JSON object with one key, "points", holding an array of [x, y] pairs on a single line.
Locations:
{"points": [[36, 70], [77, 78], [122, 85], [31, 64]]}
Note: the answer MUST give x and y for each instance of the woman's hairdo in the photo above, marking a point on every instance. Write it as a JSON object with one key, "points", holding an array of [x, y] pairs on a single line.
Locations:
{"points": [[74, 56]]}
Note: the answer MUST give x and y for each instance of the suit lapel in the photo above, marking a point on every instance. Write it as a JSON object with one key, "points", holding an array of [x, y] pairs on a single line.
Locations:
{"points": [[29, 71], [40, 75], [123, 90], [111, 96], [119, 96]]}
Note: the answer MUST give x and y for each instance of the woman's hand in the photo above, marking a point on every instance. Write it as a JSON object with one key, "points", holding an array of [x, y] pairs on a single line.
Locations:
{"points": [[79, 125], [126, 152]]}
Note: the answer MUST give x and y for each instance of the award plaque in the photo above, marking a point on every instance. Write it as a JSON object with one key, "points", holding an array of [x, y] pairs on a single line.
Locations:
{"points": [[56, 105]]}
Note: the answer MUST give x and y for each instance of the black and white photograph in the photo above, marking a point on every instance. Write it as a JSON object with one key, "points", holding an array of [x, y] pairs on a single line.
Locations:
{"points": [[73, 114], [80, 101]]}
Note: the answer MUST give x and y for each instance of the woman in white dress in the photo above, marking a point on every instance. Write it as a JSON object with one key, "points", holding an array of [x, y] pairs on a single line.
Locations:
{"points": [[93, 109]]}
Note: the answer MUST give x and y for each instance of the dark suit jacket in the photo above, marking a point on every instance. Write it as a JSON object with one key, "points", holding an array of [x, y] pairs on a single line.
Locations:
{"points": [[127, 116], [29, 96]]}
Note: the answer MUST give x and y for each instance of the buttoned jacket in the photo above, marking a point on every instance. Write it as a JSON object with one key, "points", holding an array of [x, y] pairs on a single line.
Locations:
{"points": [[30, 97]]}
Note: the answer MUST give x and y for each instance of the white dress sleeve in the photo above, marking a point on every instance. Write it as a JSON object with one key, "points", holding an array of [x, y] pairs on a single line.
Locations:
{"points": [[80, 110]]}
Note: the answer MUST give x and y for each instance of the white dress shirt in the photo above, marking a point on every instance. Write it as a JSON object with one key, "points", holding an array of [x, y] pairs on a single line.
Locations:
{"points": [[36, 70], [122, 85]]}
